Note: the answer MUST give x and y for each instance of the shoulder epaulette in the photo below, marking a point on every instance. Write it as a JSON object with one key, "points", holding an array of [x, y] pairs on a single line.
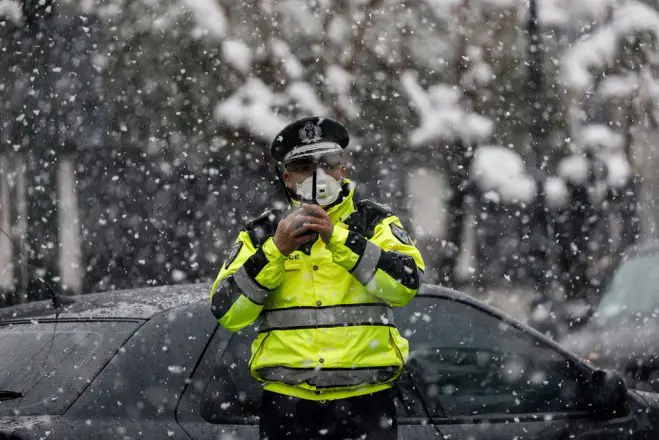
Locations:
{"points": [[367, 216], [263, 227]]}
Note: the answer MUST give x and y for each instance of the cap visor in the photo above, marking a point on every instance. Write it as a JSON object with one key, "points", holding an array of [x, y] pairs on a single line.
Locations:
{"points": [[313, 150]]}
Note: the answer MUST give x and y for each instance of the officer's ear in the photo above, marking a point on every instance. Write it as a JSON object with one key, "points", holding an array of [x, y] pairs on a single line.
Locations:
{"points": [[344, 167], [288, 178]]}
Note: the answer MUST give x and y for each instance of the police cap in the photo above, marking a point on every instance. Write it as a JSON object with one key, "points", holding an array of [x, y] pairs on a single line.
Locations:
{"points": [[309, 137]]}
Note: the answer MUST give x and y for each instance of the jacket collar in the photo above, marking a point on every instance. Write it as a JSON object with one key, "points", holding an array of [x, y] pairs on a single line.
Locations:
{"points": [[345, 206]]}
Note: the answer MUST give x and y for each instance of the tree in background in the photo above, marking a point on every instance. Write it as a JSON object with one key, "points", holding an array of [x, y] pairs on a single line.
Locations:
{"points": [[609, 77], [175, 102]]}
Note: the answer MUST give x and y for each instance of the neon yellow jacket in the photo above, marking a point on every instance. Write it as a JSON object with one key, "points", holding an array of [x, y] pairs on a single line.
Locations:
{"points": [[326, 327]]}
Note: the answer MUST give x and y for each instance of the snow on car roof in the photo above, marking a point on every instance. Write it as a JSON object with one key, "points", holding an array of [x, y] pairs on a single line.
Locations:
{"points": [[141, 303]]}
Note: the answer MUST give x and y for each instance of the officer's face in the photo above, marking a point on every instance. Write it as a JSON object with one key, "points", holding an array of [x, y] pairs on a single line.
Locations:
{"points": [[297, 171]]}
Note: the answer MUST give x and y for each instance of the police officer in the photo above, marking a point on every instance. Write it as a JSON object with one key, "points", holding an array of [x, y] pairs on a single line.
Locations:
{"points": [[322, 279]]}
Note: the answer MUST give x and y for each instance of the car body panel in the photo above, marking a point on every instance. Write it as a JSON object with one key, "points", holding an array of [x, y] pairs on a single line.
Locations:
{"points": [[503, 426]]}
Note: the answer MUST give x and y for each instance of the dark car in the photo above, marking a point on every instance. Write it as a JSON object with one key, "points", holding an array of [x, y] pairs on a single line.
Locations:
{"points": [[623, 330], [152, 363]]}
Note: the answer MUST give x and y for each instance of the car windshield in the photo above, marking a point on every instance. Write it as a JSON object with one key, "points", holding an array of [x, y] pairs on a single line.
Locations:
{"points": [[52, 363], [634, 289]]}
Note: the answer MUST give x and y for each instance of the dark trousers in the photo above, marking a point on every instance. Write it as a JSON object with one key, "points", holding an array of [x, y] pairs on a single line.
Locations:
{"points": [[368, 417]]}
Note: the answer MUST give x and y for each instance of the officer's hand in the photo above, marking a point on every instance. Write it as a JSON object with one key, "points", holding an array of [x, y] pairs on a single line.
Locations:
{"points": [[292, 231], [320, 221]]}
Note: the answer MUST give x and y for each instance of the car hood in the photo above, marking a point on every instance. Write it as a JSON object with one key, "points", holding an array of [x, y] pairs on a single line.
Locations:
{"points": [[616, 343]]}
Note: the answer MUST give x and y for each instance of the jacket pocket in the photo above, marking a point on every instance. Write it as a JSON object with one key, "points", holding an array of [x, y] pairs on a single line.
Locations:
{"points": [[256, 351]]}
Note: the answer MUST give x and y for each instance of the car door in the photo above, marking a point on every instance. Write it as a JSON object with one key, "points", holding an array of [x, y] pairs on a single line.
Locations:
{"points": [[222, 399], [479, 375]]}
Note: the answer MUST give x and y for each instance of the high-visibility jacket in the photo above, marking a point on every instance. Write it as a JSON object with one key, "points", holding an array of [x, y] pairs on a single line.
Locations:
{"points": [[326, 327]]}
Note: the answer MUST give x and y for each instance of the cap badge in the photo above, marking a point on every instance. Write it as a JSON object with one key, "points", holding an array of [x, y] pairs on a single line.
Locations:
{"points": [[310, 133]]}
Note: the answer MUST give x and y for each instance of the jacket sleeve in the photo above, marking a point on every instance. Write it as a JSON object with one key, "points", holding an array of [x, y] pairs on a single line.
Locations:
{"points": [[388, 264], [243, 284]]}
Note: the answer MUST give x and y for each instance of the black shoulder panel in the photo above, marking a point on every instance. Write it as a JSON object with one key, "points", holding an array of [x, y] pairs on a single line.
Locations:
{"points": [[263, 227], [367, 216]]}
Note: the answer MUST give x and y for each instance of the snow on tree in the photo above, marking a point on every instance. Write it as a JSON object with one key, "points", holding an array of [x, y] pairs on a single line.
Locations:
{"points": [[210, 17], [502, 176], [615, 59], [11, 10], [251, 107], [442, 118], [577, 17], [612, 69]]}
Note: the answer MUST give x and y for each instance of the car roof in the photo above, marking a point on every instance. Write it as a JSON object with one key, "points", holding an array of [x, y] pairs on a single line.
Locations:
{"points": [[143, 303], [139, 303]]}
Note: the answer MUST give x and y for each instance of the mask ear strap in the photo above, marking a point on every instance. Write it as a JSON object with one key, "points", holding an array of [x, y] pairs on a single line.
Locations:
{"points": [[280, 178]]}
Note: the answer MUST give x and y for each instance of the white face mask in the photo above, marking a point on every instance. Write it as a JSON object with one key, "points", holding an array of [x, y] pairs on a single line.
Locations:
{"points": [[328, 188]]}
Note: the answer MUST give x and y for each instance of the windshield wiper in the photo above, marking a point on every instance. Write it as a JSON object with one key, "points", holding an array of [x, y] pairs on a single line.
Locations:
{"points": [[10, 395]]}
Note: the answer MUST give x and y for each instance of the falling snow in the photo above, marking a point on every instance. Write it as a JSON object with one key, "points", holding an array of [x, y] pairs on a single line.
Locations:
{"points": [[134, 147]]}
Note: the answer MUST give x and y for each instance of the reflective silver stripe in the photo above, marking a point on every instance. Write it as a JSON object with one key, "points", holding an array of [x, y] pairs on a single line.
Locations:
{"points": [[324, 378], [368, 263], [364, 314], [249, 287]]}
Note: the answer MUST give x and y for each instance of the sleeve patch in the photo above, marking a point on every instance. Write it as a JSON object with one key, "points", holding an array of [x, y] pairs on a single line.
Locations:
{"points": [[401, 234], [235, 250]]}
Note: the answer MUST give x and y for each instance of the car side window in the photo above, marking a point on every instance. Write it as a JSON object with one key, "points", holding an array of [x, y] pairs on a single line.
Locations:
{"points": [[231, 394], [465, 362]]}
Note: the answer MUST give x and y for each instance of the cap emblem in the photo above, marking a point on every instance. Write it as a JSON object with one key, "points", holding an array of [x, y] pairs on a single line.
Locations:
{"points": [[310, 133]]}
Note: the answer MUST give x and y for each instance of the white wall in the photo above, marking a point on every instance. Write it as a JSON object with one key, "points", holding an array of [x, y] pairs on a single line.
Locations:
{"points": [[6, 247], [20, 224], [427, 192], [70, 257]]}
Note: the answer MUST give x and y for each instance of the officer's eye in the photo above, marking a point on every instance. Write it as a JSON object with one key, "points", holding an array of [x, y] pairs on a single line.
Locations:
{"points": [[329, 165], [300, 167]]}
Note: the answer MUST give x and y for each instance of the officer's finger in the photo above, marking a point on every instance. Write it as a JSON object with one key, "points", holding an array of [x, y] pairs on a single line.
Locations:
{"points": [[305, 238], [299, 213], [308, 220], [294, 218], [317, 227], [301, 231], [310, 209], [293, 214], [315, 210]]}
